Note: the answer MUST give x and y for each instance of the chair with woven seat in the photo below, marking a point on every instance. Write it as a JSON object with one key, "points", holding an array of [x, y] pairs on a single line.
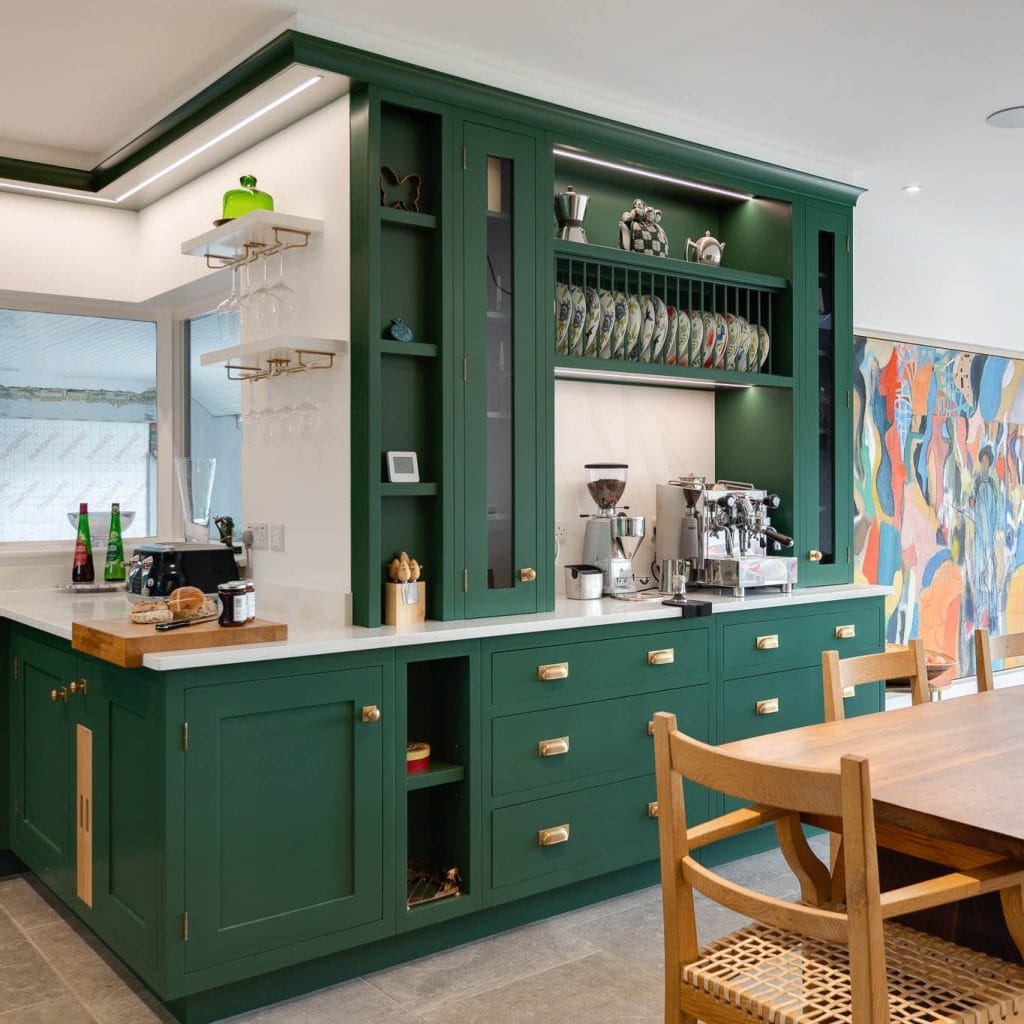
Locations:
{"points": [[989, 649], [801, 964], [842, 675]]}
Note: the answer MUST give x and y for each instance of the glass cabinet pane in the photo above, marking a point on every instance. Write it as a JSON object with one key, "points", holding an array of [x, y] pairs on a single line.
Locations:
{"points": [[500, 325], [826, 395]]}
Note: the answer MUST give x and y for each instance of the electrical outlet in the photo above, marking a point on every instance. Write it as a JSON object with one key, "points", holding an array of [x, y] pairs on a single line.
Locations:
{"points": [[259, 536], [277, 536]]}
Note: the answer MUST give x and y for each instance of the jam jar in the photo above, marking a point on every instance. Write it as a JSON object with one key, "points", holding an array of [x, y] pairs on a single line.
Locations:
{"points": [[234, 603]]}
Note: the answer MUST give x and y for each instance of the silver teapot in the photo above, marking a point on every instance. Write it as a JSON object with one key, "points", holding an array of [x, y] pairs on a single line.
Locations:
{"points": [[708, 250], [570, 209]]}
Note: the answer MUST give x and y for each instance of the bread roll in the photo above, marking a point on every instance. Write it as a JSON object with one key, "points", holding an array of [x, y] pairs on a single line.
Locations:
{"points": [[186, 602], [150, 611]]}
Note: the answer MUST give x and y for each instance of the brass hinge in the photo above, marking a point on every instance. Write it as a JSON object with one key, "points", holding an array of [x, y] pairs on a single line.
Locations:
{"points": [[849, 399], [15, 668], [847, 243], [464, 161], [184, 735], [184, 927], [847, 554], [465, 581], [465, 370]]}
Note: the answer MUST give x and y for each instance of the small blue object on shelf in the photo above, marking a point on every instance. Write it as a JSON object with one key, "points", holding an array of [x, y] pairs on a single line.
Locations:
{"points": [[400, 330]]}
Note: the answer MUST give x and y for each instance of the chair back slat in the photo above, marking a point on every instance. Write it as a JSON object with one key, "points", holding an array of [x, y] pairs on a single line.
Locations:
{"points": [[990, 649], [838, 674]]}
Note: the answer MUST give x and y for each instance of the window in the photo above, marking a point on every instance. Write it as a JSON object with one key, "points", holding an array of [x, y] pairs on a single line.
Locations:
{"points": [[77, 422], [213, 415]]}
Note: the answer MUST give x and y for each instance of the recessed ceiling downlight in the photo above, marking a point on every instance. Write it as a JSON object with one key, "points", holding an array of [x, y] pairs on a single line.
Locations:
{"points": [[912, 188], [1010, 117]]}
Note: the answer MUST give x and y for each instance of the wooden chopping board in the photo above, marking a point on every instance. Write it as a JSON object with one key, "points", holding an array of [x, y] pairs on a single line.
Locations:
{"points": [[123, 642]]}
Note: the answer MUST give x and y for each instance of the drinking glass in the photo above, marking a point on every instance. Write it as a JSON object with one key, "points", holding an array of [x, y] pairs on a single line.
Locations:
{"points": [[227, 312], [195, 493], [268, 417], [248, 418], [306, 415], [286, 302]]}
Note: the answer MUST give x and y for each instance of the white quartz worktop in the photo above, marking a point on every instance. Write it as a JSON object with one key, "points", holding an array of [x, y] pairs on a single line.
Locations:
{"points": [[53, 611]]}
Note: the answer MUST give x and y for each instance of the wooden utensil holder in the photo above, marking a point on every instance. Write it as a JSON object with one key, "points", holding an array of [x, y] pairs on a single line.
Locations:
{"points": [[398, 611]]}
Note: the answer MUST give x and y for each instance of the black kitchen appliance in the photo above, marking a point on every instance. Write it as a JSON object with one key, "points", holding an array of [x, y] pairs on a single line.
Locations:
{"points": [[157, 569]]}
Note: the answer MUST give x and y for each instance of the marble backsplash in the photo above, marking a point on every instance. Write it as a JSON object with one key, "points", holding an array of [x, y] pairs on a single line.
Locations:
{"points": [[660, 433]]}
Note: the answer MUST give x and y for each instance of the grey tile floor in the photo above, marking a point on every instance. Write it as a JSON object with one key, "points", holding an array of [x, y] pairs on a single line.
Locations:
{"points": [[601, 964]]}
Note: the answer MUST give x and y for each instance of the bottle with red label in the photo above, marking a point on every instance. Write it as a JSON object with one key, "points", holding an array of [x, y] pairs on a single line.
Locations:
{"points": [[82, 569]]}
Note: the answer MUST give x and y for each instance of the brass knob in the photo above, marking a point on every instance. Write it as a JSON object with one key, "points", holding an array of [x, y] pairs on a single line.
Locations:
{"points": [[814, 556], [78, 686], [665, 657], [652, 809], [552, 748], [849, 691], [767, 707], [371, 713], [553, 836], [846, 632], [559, 670], [527, 575], [650, 727], [767, 643], [61, 694]]}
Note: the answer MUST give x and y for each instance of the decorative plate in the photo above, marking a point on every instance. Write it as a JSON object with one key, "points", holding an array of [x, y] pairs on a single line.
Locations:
{"points": [[681, 353], [604, 330], [710, 329], [579, 316], [563, 317], [660, 330], [753, 348], [668, 351], [592, 324], [634, 322], [696, 338], [733, 345], [619, 327], [721, 340], [646, 328], [765, 347]]}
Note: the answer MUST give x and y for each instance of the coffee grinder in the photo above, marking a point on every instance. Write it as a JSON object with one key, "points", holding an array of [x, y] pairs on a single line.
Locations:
{"points": [[611, 538]]}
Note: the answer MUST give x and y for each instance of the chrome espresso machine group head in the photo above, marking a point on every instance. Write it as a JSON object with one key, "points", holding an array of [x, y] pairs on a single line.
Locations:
{"points": [[724, 534]]}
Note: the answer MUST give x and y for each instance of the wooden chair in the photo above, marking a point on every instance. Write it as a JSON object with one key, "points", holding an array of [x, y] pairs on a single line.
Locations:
{"points": [[841, 676], [994, 648], [797, 964]]}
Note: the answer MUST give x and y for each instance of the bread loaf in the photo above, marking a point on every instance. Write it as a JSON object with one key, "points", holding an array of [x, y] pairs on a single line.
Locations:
{"points": [[186, 602], [150, 611]]}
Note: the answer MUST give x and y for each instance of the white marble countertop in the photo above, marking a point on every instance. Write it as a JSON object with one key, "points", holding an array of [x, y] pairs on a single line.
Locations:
{"points": [[53, 612]]}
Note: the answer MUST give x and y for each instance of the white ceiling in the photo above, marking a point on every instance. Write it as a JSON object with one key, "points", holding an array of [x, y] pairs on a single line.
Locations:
{"points": [[877, 93]]}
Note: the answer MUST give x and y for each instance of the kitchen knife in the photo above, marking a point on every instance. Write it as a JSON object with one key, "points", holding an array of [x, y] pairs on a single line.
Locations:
{"points": [[178, 623]]}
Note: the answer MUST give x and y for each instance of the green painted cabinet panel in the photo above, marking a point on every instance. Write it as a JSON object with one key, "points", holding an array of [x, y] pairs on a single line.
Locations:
{"points": [[597, 667], [284, 813], [41, 775], [502, 471], [599, 737], [771, 702]]}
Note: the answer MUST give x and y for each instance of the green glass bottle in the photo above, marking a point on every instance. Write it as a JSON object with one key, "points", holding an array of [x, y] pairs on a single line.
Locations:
{"points": [[240, 201], [82, 569], [113, 570]]}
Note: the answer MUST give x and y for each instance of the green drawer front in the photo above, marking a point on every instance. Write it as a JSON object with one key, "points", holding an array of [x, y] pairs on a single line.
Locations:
{"points": [[799, 701], [619, 665], [609, 827], [800, 640], [603, 736]]}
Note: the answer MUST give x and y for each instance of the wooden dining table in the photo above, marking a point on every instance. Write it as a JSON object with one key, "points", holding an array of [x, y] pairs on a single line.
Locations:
{"points": [[946, 781]]}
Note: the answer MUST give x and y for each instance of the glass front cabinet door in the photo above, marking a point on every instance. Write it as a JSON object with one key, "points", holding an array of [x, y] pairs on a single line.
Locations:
{"points": [[501, 461], [824, 389]]}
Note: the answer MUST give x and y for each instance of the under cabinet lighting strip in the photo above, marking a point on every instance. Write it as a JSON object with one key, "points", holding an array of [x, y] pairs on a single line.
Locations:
{"points": [[36, 190], [570, 154], [624, 377]]}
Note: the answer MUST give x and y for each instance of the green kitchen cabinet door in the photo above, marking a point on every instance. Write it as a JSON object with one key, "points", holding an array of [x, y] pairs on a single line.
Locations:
{"points": [[284, 814], [825, 424], [41, 825], [502, 465]]}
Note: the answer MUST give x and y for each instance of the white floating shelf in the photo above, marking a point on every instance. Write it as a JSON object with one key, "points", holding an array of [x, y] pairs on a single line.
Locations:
{"points": [[228, 242], [256, 350]]}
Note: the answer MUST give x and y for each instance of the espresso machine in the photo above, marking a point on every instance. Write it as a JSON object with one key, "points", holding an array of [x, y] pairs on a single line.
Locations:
{"points": [[724, 534], [612, 537]]}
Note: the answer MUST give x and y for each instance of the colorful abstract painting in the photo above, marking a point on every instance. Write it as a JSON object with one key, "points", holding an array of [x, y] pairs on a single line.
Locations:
{"points": [[939, 490]]}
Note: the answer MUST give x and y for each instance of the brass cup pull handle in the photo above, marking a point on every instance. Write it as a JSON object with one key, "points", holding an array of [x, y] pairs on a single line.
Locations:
{"points": [[650, 727], [552, 748], [665, 657], [61, 694], [78, 686], [559, 670], [849, 691], [767, 707], [767, 643], [846, 632], [371, 713], [527, 575], [553, 836], [652, 809], [814, 555]]}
